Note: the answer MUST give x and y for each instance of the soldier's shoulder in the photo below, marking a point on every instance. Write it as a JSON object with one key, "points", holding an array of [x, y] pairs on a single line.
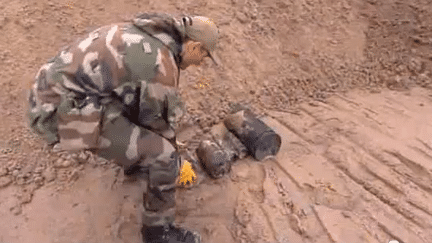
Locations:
{"points": [[167, 70]]}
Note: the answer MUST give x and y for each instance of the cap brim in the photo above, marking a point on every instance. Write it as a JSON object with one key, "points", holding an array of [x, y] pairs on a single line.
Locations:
{"points": [[214, 58]]}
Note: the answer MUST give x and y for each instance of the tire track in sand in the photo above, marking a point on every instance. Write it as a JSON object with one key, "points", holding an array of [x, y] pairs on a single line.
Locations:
{"points": [[401, 185]]}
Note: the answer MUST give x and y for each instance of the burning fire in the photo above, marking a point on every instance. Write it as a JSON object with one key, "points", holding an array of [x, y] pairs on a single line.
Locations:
{"points": [[187, 175]]}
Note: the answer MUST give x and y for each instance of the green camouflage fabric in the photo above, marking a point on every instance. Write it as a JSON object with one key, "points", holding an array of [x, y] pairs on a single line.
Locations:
{"points": [[158, 163], [131, 62], [115, 92]]}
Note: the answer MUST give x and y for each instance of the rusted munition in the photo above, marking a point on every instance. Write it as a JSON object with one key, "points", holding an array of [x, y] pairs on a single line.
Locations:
{"points": [[240, 134], [214, 159], [228, 142], [255, 135]]}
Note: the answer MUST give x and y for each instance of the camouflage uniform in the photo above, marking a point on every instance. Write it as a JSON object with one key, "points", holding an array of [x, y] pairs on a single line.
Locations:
{"points": [[115, 92]]}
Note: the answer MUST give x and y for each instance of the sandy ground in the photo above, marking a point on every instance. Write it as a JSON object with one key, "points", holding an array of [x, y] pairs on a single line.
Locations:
{"points": [[346, 84]]}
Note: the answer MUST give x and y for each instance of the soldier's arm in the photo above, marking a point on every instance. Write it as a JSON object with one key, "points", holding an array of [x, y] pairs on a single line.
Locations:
{"points": [[43, 98], [175, 109], [160, 103]]}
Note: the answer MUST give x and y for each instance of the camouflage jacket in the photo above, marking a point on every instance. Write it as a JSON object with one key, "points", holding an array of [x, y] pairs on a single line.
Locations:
{"points": [[134, 65]]}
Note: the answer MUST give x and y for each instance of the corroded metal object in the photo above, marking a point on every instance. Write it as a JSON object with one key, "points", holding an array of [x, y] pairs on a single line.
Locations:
{"points": [[259, 139], [229, 142], [214, 159]]}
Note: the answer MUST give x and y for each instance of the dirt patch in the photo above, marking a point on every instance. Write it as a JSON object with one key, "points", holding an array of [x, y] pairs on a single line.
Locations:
{"points": [[350, 158]]}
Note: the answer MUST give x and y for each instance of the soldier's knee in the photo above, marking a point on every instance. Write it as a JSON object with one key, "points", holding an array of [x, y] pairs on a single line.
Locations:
{"points": [[165, 170], [161, 185], [156, 200]]}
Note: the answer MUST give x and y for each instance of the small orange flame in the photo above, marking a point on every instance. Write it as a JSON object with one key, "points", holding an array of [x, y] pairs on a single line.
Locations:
{"points": [[187, 175]]}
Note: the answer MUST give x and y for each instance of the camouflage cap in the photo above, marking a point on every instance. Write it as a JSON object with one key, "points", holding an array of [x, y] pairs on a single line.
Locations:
{"points": [[203, 30]]}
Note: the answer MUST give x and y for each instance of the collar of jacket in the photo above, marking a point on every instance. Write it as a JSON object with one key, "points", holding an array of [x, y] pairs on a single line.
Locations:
{"points": [[170, 37]]}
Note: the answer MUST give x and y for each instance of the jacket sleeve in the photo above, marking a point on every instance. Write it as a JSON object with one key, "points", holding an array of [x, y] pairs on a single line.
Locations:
{"points": [[160, 106], [175, 109], [43, 100]]}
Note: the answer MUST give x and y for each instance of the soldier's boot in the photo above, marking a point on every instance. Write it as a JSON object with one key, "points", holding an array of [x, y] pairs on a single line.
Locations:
{"points": [[169, 234]]}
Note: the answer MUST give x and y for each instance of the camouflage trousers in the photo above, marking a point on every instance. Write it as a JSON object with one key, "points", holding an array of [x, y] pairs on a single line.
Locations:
{"points": [[145, 152]]}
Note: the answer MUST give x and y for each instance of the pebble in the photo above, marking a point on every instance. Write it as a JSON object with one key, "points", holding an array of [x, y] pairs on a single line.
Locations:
{"points": [[199, 132], [5, 181], [68, 157], [20, 180], [39, 170], [11, 164], [346, 214], [83, 156], [16, 210], [15, 173], [242, 17], [62, 163], [49, 175], [67, 163], [3, 171], [423, 77], [206, 129], [74, 175], [57, 148], [59, 162], [26, 197], [38, 180]]}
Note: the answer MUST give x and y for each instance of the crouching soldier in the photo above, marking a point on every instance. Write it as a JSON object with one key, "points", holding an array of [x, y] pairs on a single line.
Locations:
{"points": [[116, 93]]}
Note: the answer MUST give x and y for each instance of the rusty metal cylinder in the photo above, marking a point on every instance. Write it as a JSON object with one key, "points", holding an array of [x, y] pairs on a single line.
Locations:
{"points": [[214, 159], [228, 142], [258, 138]]}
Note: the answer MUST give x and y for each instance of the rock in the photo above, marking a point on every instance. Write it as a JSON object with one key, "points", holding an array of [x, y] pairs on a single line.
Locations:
{"points": [[415, 65], [16, 210], [39, 170], [38, 180], [400, 69], [83, 157], [20, 180], [3, 171], [15, 173], [59, 162], [423, 79], [26, 197], [11, 165], [67, 163], [74, 156], [199, 132], [49, 174], [5, 181], [68, 157], [206, 129], [242, 18], [27, 169], [62, 163], [57, 148], [74, 175]]}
